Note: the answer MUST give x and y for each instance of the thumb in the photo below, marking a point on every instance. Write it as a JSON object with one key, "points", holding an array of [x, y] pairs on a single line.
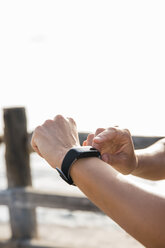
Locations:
{"points": [[110, 159], [105, 157]]}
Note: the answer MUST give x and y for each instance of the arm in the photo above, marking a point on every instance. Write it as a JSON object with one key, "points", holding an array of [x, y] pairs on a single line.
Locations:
{"points": [[151, 161], [139, 212], [116, 147]]}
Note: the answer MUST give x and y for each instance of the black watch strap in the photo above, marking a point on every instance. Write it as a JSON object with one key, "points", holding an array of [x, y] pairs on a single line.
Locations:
{"points": [[72, 155]]}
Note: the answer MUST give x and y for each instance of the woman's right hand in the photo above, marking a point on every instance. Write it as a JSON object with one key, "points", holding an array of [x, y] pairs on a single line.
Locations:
{"points": [[116, 148]]}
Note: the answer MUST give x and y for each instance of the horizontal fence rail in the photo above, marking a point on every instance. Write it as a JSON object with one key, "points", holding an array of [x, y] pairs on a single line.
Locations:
{"points": [[140, 142], [32, 198], [20, 197]]}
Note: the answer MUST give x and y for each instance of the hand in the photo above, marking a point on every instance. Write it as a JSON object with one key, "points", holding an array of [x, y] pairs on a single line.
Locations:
{"points": [[54, 139], [116, 148]]}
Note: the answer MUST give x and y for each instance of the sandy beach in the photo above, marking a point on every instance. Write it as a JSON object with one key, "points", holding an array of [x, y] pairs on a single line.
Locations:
{"points": [[74, 237], [64, 228], [89, 237]]}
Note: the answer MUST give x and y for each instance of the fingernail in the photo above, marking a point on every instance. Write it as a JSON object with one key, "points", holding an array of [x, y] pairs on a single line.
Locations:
{"points": [[97, 138]]}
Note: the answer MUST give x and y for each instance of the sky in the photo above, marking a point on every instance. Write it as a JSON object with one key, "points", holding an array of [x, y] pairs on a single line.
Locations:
{"points": [[100, 62]]}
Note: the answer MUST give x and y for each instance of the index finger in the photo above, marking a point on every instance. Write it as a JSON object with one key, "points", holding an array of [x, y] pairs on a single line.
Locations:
{"points": [[106, 135]]}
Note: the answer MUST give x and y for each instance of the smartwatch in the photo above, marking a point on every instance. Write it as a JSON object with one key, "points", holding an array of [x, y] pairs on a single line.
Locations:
{"points": [[72, 155]]}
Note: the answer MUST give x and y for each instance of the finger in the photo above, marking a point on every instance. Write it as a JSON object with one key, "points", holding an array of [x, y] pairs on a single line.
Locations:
{"points": [[34, 146], [106, 135], [72, 121], [84, 143], [99, 130], [37, 150], [47, 123], [97, 137], [90, 139], [34, 140], [100, 137], [58, 117]]}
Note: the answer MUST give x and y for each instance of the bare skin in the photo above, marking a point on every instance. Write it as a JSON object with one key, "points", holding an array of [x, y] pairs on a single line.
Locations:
{"points": [[117, 150], [139, 212]]}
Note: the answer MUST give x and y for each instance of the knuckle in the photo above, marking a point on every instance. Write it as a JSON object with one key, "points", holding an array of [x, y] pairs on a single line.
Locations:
{"points": [[126, 132], [72, 120], [90, 135], [48, 122], [32, 140], [99, 130], [58, 117], [35, 134], [37, 130], [113, 129], [90, 138]]}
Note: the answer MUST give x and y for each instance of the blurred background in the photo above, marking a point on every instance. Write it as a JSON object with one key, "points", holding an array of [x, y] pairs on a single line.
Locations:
{"points": [[100, 62]]}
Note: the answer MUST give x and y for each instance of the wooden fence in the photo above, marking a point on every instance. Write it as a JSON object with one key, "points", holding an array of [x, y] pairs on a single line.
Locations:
{"points": [[20, 197]]}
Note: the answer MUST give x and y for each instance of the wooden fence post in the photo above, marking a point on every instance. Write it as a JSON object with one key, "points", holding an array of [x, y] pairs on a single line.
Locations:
{"points": [[22, 220]]}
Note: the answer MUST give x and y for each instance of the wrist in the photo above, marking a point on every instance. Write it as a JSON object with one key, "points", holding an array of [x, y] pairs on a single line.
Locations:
{"points": [[136, 168], [136, 163], [74, 154], [59, 159]]}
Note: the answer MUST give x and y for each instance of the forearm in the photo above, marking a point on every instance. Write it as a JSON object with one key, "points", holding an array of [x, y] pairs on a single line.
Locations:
{"points": [[131, 207], [151, 162]]}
